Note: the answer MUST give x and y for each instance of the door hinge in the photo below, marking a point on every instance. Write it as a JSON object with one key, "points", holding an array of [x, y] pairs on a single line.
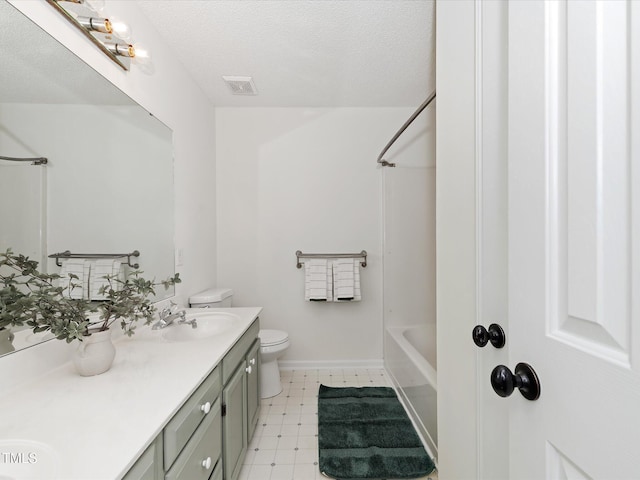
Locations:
{"points": [[223, 412]]}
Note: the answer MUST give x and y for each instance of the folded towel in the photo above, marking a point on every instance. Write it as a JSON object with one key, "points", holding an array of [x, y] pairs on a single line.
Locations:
{"points": [[318, 281], [343, 280], [346, 272], [117, 272], [75, 287]]}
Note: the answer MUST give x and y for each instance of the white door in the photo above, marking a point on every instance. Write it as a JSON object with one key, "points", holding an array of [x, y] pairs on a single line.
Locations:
{"points": [[574, 237]]}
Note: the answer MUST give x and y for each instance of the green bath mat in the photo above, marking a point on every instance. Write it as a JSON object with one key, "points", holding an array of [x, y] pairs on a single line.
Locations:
{"points": [[365, 433]]}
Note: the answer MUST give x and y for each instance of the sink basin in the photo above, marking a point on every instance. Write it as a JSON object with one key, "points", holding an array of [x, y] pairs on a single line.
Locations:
{"points": [[22, 459], [209, 324]]}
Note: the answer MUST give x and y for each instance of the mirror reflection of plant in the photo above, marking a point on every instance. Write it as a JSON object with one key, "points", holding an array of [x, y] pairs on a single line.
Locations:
{"points": [[33, 298], [30, 297], [127, 301]]}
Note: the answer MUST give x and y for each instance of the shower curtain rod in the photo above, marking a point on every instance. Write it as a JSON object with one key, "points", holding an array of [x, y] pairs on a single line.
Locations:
{"points": [[426, 103], [34, 161]]}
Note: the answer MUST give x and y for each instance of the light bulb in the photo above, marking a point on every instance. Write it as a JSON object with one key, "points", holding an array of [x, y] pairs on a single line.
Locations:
{"points": [[94, 24], [120, 29], [142, 59], [121, 49]]}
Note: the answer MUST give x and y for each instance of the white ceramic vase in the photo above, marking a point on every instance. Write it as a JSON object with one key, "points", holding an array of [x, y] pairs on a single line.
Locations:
{"points": [[6, 341], [95, 354]]}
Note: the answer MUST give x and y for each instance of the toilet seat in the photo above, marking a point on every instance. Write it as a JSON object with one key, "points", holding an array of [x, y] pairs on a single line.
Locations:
{"points": [[270, 338]]}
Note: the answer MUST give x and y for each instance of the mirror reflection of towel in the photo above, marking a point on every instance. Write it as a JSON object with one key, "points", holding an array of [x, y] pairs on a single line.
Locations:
{"points": [[100, 269], [75, 287]]}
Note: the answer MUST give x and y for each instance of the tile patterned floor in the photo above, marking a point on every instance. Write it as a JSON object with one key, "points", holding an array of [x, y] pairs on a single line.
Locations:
{"points": [[285, 445]]}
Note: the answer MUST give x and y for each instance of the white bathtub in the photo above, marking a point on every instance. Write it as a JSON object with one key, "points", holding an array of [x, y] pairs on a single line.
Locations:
{"points": [[410, 360]]}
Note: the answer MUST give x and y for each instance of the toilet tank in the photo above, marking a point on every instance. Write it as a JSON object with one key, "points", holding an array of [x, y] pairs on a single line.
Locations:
{"points": [[212, 298]]}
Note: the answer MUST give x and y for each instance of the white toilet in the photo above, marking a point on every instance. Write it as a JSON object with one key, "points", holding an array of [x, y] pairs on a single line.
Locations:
{"points": [[273, 343]]}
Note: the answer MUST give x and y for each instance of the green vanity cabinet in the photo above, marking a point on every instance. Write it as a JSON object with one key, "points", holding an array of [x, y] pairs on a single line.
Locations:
{"points": [[207, 437], [184, 423], [192, 439], [253, 388], [200, 457], [234, 425], [190, 445], [240, 399], [149, 465]]}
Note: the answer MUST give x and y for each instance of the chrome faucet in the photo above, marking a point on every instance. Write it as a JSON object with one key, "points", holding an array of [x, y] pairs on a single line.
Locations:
{"points": [[168, 315]]}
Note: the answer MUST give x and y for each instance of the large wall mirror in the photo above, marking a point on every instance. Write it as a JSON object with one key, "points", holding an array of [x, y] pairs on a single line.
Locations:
{"points": [[108, 184]]}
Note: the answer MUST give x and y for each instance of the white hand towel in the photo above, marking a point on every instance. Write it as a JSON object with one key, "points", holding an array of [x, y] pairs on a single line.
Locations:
{"points": [[75, 287], [316, 280], [346, 273], [357, 295], [117, 272], [343, 281], [99, 270]]}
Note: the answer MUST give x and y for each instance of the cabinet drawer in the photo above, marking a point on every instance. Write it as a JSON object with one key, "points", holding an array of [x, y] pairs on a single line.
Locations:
{"points": [[236, 355], [217, 472], [186, 420], [204, 447]]}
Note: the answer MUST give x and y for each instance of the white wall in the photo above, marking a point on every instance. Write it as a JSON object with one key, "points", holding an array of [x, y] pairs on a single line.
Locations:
{"points": [[175, 100], [303, 179]]}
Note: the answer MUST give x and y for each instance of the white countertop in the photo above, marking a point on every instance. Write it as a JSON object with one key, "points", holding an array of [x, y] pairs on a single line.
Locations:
{"points": [[98, 426]]}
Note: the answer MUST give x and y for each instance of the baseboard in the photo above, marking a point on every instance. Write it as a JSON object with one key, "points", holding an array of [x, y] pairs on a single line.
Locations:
{"points": [[328, 364]]}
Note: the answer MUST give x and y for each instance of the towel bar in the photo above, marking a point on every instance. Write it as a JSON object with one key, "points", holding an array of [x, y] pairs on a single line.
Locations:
{"points": [[362, 254], [34, 161], [68, 254]]}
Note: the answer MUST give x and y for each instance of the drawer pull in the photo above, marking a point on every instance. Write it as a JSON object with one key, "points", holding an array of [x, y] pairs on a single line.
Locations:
{"points": [[252, 361], [206, 408], [248, 369], [206, 464]]}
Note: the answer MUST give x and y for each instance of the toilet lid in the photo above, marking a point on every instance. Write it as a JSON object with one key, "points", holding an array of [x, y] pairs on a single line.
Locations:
{"points": [[272, 337]]}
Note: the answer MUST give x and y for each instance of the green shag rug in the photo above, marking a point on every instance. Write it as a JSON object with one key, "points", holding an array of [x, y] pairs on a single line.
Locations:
{"points": [[365, 433]]}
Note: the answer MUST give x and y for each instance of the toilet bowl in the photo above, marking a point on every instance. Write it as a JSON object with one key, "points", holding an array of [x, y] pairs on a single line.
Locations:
{"points": [[273, 344]]}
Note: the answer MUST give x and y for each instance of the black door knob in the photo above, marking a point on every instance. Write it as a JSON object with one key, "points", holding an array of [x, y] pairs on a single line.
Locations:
{"points": [[495, 335], [524, 379]]}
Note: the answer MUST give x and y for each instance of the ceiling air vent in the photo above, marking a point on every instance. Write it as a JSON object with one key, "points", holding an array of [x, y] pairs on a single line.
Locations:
{"points": [[240, 85]]}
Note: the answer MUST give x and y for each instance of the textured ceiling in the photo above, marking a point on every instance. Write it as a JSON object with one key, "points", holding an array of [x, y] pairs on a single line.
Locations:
{"points": [[309, 53]]}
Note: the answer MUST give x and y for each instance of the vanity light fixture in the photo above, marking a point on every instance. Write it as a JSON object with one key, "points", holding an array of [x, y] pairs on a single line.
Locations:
{"points": [[108, 33], [94, 24], [121, 49], [110, 26], [138, 55], [120, 29]]}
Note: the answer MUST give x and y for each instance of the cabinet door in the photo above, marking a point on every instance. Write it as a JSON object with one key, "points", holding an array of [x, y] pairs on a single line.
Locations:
{"points": [[253, 390], [234, 423]]}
